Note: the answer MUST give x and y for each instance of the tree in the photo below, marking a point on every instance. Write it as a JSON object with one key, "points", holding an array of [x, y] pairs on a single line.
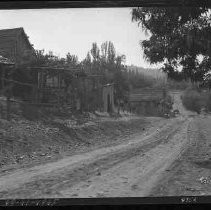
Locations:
{"points": [[95, 52], [108, 52], [86, 64], [72, 60], [177, 36], [109, 65], [120, 59]]}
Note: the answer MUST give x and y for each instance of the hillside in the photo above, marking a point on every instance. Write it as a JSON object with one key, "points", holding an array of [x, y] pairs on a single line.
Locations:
{"points": [[146, 77], [148, 72]]}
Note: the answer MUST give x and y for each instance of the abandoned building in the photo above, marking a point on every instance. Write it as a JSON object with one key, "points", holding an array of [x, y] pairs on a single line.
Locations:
{"points": [[68, 87], [49, 85], [15, 45], [148, 101]]}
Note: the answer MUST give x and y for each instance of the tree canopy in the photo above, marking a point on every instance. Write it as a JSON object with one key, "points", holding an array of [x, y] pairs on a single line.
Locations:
{"points": [[178, 36]]}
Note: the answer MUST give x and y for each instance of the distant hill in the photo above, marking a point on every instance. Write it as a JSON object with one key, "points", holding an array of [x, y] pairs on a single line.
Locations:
{"points": [[149, 77], [149, 72]]}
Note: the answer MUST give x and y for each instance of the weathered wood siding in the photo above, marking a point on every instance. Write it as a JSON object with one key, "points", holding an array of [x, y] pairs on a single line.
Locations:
{"points": [[14, 44], [148, 94], [145, 101], [25, 52], [8, 47]]}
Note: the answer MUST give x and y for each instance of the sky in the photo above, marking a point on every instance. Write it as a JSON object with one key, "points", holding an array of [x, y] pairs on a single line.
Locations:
{"points": [[74, 30]]}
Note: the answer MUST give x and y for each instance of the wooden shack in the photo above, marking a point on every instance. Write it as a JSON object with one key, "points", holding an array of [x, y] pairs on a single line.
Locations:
{"points": [[67, 86], [49, 84], [147, 101], [15, 45]]}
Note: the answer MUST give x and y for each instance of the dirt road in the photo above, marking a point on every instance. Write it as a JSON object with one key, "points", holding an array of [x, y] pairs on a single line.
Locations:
{"points": [[132, 168], [190, 175]]}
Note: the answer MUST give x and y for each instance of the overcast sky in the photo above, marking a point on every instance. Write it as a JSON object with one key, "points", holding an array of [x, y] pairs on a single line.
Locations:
{"points": [[74, 30]]}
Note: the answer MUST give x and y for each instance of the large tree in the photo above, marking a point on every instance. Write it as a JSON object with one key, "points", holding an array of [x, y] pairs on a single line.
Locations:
{"points": [[178, 35]]}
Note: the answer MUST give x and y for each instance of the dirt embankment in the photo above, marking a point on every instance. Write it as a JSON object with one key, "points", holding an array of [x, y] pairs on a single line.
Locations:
{"points": [[25, 143], [128, 169]]}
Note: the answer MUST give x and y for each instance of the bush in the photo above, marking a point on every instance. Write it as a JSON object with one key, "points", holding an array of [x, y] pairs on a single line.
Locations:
{"points": [[209, 102], [194, 100], [178, 85]]}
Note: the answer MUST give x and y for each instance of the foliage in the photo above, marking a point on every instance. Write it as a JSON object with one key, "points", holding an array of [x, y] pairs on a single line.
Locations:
{"points": [[103, 61], [178, 85], [194, 100], [71, 60], [177, 36]]}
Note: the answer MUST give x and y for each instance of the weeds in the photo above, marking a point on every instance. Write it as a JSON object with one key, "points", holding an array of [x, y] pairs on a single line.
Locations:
{"points": [[194, 99]]}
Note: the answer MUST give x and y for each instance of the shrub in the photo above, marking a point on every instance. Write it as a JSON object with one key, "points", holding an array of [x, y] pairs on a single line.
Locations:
{"points": [[194, 99], [178, 85]]}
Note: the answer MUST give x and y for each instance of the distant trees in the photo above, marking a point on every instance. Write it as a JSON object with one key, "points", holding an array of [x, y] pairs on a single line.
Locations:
{"points": [[72, 60], [103, 61], [50, 59], [178, 36]]}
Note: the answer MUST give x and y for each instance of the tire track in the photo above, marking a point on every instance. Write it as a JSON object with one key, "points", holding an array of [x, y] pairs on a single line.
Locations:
{"points": [[49, 184]]}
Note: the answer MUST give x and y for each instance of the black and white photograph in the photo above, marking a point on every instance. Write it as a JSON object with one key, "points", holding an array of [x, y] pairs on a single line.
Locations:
{"points": [[105, 102]]}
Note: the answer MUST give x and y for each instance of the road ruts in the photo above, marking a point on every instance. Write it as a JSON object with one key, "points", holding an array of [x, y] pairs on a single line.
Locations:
{"points": [[50, 179]]}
